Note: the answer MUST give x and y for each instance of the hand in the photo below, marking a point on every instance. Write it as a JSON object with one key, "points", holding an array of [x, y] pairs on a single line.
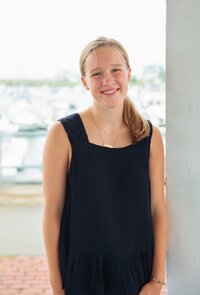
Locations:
{"points": [[151, 288]]}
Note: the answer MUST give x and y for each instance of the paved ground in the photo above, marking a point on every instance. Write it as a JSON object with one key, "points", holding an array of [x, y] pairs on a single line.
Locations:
{"points": [[24, 275]]}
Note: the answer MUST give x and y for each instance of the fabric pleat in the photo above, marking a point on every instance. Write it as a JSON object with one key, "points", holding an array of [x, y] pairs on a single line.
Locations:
{"points": [[97, 274]]}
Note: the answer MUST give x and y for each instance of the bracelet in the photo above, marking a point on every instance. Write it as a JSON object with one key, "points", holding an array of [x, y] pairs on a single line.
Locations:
{"points": [[158, 281]]}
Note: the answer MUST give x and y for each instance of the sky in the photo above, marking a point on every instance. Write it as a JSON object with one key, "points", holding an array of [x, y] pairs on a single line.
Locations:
{"points": [[40, 38]]}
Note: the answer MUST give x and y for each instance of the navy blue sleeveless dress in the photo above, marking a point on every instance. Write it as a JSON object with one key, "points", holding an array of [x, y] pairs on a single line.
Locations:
{"points": [[106, 232]]}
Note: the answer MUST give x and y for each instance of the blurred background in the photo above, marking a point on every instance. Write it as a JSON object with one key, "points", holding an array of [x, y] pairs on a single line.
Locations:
{"points": [[41, 42]]}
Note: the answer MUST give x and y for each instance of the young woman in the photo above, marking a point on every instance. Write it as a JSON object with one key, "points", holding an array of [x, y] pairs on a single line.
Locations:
{"points": [[105, 217]]}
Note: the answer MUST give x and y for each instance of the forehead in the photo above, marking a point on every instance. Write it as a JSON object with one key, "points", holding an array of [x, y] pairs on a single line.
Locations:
{"points": [[104, 56]]}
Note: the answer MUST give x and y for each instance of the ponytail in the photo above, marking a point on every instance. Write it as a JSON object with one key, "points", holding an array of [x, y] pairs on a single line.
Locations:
{"points": [[135, 121]]}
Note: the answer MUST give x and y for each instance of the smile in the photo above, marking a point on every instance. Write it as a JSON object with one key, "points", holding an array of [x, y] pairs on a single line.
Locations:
{"points": [[110, 91]]}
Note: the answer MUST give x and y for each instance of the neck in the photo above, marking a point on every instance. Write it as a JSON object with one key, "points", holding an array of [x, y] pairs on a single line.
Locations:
{"points": [[107, 119]]}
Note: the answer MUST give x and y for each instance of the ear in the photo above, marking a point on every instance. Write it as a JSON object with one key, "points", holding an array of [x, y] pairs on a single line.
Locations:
{"points": [[83, 79], [129, 74]]}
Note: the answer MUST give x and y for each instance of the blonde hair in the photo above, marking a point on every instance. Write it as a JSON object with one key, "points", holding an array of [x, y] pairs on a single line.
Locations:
{"points": [[132, 118]]}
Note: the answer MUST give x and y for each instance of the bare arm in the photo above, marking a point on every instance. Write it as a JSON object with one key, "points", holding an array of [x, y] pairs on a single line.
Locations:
{"points": [[158, 204], [56, 157], [159, 213]]}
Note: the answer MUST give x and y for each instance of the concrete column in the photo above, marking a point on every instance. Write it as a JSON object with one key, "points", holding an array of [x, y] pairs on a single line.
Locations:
{"points": [[183, 145]]}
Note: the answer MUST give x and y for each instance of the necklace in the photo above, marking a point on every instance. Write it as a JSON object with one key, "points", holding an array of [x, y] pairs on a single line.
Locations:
{"points": [[98, 128], [106, 133]]}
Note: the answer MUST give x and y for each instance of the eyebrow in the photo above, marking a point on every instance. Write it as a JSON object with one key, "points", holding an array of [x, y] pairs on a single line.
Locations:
{"points": [[113, 65]]}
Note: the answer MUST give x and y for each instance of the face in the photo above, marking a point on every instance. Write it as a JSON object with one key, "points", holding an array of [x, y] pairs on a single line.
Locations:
{"points": [[106, 76]]}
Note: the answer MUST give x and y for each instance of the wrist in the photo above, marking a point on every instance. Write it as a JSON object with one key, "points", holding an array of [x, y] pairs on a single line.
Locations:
{"points": [[158, 281], [55, 281], [155, 286]]}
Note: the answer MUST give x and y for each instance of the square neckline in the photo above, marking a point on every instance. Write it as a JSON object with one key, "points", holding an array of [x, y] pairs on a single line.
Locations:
{"points": [[101, 146]]}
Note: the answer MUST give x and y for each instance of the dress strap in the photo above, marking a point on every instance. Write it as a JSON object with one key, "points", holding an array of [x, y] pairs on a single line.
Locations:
{"points": [[74, 128], [151, 128]]}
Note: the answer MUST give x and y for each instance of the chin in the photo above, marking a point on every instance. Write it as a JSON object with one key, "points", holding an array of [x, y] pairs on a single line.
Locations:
{"points": [[114, 104]]}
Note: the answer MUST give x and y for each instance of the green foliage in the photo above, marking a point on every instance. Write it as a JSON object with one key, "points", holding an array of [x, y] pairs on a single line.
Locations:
{"points": [[38, 83]]}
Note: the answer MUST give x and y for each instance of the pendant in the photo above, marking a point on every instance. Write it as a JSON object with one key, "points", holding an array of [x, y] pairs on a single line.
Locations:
{"points": [[108, 145]]}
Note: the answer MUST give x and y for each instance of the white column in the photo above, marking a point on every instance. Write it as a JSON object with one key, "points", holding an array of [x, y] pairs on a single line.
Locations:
{"points": [[183, 145]]}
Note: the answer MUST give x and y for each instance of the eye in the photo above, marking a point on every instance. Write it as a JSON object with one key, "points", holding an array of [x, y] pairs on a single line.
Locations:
{"points": [[116, 70], [95, 74]]}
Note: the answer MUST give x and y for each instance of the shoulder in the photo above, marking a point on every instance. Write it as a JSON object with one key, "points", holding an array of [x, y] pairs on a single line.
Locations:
{"points": [[57, 140], [61, 130], [57, 132], [69, 119]]}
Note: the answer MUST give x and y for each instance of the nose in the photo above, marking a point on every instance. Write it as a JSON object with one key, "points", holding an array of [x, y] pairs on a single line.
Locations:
{"points": [[107, 79]]}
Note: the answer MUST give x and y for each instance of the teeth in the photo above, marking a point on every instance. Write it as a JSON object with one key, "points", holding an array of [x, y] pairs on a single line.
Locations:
{"points": [[109, 91]]}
